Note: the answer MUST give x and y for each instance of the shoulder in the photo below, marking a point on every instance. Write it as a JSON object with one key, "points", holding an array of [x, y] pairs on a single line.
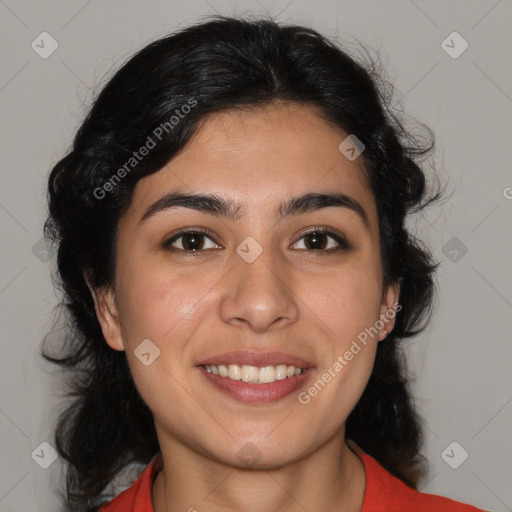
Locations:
{"points": [[138, 496], [386, 492]]}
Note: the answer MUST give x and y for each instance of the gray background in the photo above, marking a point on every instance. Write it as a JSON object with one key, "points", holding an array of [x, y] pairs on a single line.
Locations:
{"points": [[462, 362]]}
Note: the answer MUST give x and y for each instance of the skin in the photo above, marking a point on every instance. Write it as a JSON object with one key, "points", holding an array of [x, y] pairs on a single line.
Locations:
{"points": [[310, 305]]}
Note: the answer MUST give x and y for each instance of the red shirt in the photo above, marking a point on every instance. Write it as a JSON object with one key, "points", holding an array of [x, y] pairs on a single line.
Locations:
{"points": [[383, 493]]}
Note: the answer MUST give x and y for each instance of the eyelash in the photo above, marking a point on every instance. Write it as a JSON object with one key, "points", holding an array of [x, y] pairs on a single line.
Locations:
{"points": [[343, 243]]}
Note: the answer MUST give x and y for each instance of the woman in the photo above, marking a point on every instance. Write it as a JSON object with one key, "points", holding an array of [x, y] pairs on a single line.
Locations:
{"points": [[232, 249]]}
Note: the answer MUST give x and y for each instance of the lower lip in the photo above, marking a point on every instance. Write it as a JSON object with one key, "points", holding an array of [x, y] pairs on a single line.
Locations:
{"points": [[257, 393]]}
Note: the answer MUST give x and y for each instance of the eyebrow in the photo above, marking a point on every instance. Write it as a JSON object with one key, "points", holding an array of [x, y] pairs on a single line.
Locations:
{"points": [[215, 205]]}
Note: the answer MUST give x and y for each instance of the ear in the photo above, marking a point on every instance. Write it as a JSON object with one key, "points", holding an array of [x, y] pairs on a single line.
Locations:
{"points": [[388, 309], [108, 315]]}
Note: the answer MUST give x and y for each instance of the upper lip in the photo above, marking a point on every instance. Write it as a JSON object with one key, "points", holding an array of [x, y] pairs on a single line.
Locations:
{"points": [[256, 358]]}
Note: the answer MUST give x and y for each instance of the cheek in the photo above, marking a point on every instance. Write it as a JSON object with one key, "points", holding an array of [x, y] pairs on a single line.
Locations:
{"points": [[346, 301], [332, 396], [167, 309], [157, 303], [348, 357]]}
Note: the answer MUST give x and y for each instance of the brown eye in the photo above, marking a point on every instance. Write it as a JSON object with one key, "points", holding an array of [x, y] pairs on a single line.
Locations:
{"points": [[320, 240], [190, 241], [316, 240]]}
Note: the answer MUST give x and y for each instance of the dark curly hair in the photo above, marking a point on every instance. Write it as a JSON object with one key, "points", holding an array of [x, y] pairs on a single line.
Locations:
{"points": [[220, 64]]}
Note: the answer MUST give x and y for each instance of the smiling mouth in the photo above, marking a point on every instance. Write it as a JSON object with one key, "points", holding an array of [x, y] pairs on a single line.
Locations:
{"points": [[246, 386], [255, 374]]}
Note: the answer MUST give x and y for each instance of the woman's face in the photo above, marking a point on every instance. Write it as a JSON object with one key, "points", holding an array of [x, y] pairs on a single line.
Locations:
{"points": [[259, 283]]}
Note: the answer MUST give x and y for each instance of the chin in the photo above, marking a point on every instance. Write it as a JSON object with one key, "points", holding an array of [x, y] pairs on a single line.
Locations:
{"points": [[261, 452]]}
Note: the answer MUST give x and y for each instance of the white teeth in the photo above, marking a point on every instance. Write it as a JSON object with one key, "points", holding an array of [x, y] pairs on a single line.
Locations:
{"points": [[267, 374], [281, 372], [234, 372], [249, 373], [254, 374]]}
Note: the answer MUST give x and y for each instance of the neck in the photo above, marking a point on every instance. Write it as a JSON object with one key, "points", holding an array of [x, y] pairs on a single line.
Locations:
{"points": [[331, 478]]}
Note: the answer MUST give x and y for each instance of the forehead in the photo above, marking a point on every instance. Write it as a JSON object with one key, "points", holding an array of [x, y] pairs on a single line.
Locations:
{"points": [[259, 157]]}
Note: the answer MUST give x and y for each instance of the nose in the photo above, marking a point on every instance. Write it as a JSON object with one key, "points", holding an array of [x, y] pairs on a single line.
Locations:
{"points": [[259, 295]]}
